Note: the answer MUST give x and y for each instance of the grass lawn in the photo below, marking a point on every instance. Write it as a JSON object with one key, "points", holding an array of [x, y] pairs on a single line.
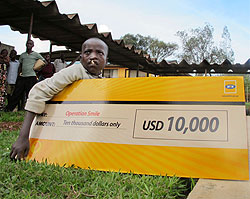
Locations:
{"points": [[35, 180], [248, 104], [248, 108]]}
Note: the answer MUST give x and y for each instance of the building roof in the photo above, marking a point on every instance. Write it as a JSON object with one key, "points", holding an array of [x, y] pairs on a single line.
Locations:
{"points": [[67, 30], [64, 29], [204, 67]]}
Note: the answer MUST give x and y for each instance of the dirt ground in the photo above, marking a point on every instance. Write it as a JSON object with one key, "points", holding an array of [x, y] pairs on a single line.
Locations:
{"points": [[10, 126]]}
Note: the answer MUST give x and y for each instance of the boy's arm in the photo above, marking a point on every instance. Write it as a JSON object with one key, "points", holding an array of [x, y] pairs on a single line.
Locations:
{"points": [[35, 104], [46, 89], [20, 148]]}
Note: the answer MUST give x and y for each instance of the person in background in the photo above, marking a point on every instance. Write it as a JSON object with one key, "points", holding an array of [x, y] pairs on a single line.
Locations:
{"points": [[60, 63], [12, 73], [93, 60], [4, 58], [4, 64], [28, 78], [47, 71]]}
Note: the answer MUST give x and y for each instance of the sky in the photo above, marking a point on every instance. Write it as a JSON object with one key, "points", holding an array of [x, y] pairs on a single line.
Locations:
{"points": [[157, 18]]}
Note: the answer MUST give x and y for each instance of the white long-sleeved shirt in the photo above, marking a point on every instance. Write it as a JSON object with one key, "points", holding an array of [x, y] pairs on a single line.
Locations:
{"points": [[12, 72], [46, 89]]}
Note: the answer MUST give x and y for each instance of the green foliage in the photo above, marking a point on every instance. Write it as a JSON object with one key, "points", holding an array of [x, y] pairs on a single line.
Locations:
{"points": [[247, 87], [152, 46], [198, 44], [41, 180], [247, 82], [12, 116]]}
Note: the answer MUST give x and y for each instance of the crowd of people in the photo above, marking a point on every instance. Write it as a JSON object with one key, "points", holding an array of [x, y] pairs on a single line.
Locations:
{"points": [[17, 76]]}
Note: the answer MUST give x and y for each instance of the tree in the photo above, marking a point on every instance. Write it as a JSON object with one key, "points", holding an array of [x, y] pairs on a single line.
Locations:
{"points": [[198, 44], [152, 46], [225, 45]]}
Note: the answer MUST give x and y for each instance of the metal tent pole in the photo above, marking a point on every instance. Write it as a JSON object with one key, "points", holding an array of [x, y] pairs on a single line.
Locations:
{"points": [[137, 70], [31, 26]]}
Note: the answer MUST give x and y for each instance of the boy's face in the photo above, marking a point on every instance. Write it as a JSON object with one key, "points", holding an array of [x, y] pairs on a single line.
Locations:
{"points": [[94, 55]]}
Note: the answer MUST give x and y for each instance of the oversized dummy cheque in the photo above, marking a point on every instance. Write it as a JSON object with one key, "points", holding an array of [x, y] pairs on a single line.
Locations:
{"points": [[184, 126]]}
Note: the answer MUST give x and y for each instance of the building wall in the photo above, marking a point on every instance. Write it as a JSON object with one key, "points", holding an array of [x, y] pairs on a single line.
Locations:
{"points": [[133, 73], [121, 72], [118, 72], [113, 72], [7, 47]]}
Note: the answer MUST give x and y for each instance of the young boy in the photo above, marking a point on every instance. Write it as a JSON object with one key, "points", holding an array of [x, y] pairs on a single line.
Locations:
{"points": [[93, 60], [12, 75]]}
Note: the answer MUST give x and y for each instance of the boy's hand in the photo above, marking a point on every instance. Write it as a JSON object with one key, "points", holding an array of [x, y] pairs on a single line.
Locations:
{"points": [[20, 149]]}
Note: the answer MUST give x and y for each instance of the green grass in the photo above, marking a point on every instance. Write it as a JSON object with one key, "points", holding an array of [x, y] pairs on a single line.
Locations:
{"points": [[11, 116], [248, 104], [41, 180], [248, 108]]}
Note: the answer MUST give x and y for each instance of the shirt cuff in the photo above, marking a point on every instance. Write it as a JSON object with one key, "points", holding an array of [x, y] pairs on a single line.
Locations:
{"points": [[35, 106]]}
